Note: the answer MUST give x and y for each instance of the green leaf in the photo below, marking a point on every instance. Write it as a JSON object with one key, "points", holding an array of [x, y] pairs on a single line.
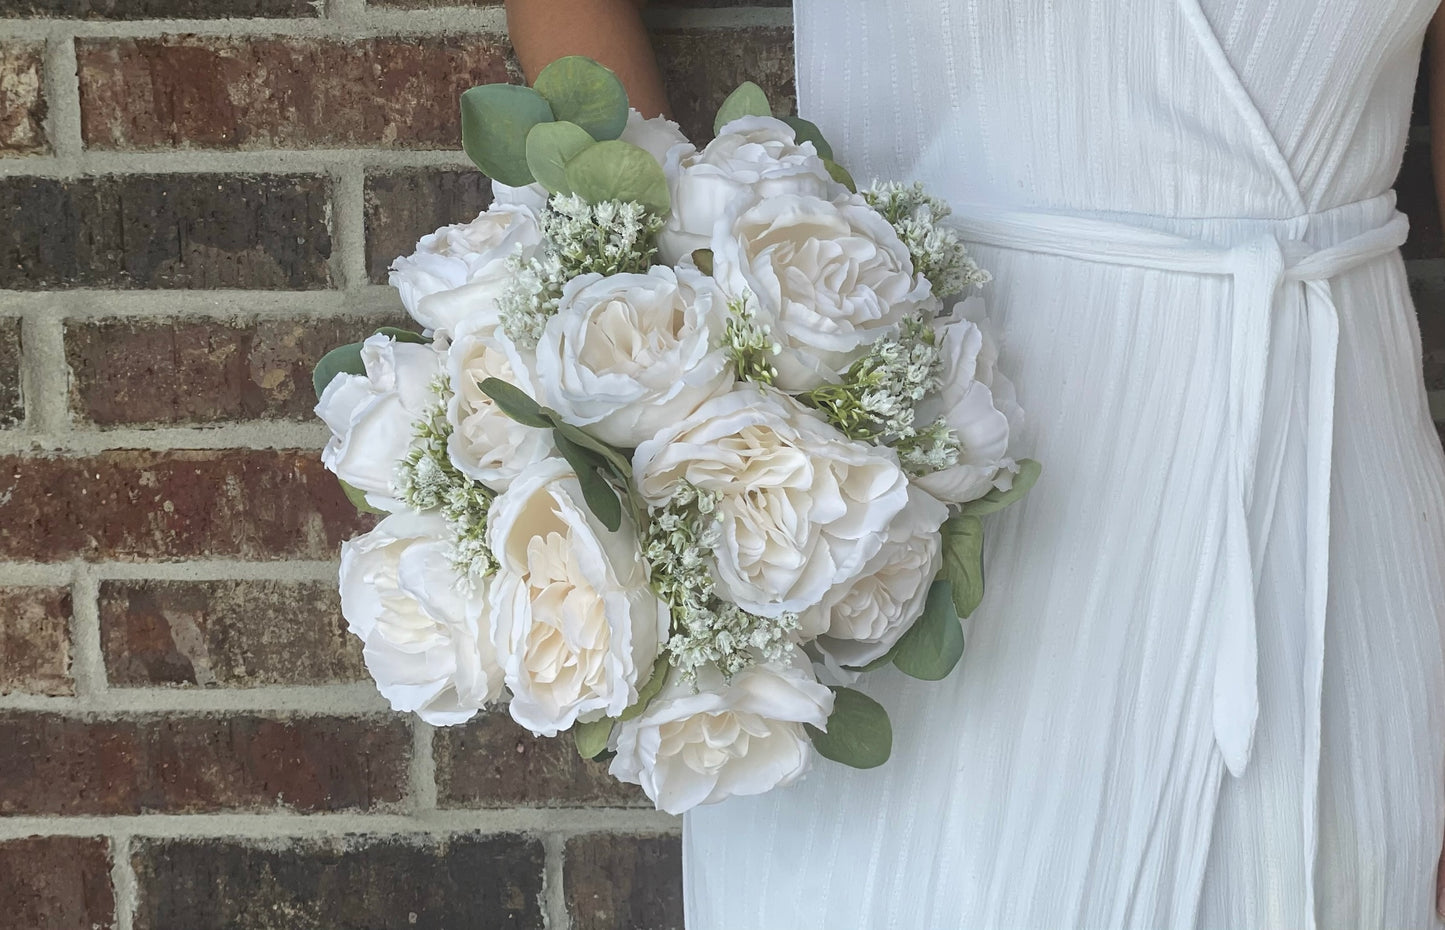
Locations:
{"points": [[515, 403], [600, 496], [840, 174], [747, 100], [618, 170], [584, 92], [340, 360], [610, 456], [996, 500], [702, 258], [404, 335], [859, 733], [963, 561], [495, 121], [808, 131], [358, 499], [660, 670], [933, 645], [549, 147], [592, 737]]}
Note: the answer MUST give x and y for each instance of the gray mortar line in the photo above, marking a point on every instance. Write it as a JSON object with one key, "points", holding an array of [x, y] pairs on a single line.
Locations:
{"points": [[554, 889], [123, 881], [244, 161], [87, 304], [61, 573], [450, 21], [358, 699], [265, 434], [87, 660], [348, 223], [44, 373], [61, 88], [422, 774]]}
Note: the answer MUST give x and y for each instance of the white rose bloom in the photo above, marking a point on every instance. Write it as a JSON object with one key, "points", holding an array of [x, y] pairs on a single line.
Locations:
{"points": [[533, 196], [724, 739], [981, 406], [372, 416], [656, 136], [424, 629], [461, 270], [860, 620], [573, 619], [629, 354], [830, 277], [753, 158], [485, 443], [803, 508]]}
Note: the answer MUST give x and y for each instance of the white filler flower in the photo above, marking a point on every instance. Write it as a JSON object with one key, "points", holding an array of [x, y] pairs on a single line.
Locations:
{"points": [[573, 618], [725, 738], [424, 629], [802, 507], [629, 354]]}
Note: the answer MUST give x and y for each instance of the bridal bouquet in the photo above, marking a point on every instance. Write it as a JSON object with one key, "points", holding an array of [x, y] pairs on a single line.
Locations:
{"points": [[685, 430]]}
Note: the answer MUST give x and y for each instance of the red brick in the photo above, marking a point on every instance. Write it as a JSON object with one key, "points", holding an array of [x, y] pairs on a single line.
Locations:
{"points": [[702, 66], [277, 92], [56, 883], [340, 883], [226, 633], [191, 372], [492, 762], [134, 504], [12, 401], [624, 881], [35, 640], [403, 206], [22, 98], [64, 765]]}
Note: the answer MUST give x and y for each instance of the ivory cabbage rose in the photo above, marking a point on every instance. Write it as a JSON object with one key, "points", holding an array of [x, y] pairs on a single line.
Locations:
{"points": [[754, 158], [532, 196], [628, 354], [462, 269], [802, 507], [423, 627], [860, 620], [372, 416], [573, 619], [656, 136], [979, 403], [725, 738], [830, 278]]}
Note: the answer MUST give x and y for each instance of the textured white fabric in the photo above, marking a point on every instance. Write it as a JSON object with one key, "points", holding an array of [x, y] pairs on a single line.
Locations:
{"points": [[1233, 561]]}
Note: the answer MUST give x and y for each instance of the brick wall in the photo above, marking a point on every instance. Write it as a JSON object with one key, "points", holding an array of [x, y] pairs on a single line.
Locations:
{"points": [[196, 198]]}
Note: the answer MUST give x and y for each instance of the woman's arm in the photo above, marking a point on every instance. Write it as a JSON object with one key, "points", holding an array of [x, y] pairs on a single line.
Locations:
{"points": [[609, 31]]}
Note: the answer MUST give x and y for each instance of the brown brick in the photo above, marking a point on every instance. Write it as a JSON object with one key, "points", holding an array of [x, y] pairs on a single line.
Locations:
{"points": [[226, 633], [35, 640], [57, 764], [56, 883], [197, 371], [492, 762], [275, 92], [22, 98], [136, 504], [159, 9], [345, 883], [624, 881], [165, 231], [702, 66], [12, 402], [403, 206]]}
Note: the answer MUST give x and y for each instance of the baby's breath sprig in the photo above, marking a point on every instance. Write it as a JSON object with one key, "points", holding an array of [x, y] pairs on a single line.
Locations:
{"points": [[875, 399], [937, 252], [931, 449], [706, 629], [749, 343]]}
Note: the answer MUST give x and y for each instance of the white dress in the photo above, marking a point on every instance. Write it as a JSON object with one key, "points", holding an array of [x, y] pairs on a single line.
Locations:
{"points": [[1206, 688]]}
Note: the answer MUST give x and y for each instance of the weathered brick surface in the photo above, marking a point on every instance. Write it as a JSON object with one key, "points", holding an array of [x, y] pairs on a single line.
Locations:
{"points": [[270, 92], [159, 9], [492, 762], [56, 883], [624, 881], [184, 372], [403, 206], [350, 883], [1416, 189], [12, 402], [22, 98], [701, 67], [226, 633], [35, 640], [130, 504], [165, 231], [58, 764]]}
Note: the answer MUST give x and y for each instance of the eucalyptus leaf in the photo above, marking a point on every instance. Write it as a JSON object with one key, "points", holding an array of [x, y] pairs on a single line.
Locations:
{"points": [[515, 403], [808, 131], [660, 670], [963, 561], [618, 170], [747, 100], [619, 462], [584, 92], [358, 499], [403, 335], [859, 732], [340, 360], [702, 258], [933, 645], [840, 174], [495, 121], [549, 147], [592, 737], [996, 500], [600, 496]]}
